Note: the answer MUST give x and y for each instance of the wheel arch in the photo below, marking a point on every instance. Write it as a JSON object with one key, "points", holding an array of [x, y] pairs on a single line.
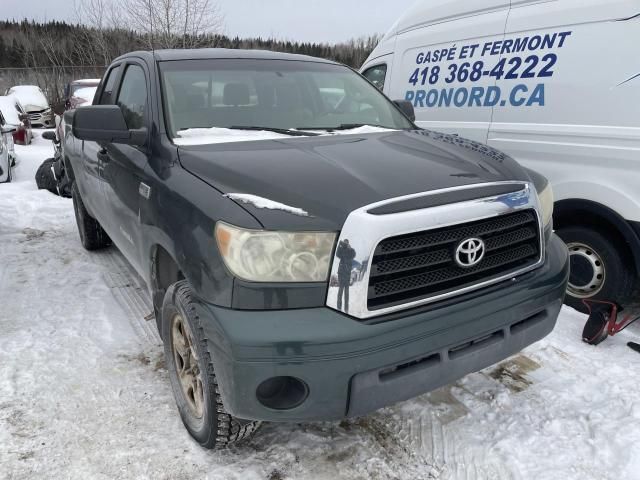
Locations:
{"points": [[580, 212], [68, 167], [165, 271]]}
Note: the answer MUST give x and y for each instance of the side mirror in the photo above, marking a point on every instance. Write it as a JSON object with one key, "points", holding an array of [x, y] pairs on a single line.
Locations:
{"points": [[49, 135], [407, 108], [105, 123], [7, 129], [23, 117]]}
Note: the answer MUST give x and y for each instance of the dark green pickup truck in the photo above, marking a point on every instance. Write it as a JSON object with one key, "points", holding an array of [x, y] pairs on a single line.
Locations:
{"points": [[311, 253]]}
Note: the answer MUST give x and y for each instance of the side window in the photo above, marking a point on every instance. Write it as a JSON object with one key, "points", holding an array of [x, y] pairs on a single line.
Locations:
{"points": [[376, 75], [105, 97], [132, 97]]}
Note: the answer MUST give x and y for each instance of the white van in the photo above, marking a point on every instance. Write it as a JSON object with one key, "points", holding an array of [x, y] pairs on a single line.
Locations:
{"points": [[553, 83]]}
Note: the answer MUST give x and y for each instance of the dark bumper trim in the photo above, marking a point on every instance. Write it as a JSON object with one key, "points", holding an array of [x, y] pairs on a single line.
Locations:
{"points": [[385, 386]]}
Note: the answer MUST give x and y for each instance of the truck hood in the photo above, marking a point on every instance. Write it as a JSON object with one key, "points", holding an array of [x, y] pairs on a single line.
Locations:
{"points": [[315, 182]]}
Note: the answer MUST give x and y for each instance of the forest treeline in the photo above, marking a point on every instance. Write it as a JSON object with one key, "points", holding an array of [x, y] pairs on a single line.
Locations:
{"points": [[50, 54], [28, 44]]}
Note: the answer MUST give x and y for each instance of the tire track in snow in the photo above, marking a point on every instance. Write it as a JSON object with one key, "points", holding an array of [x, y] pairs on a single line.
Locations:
{"points": [[434, 436], [130, 292]]}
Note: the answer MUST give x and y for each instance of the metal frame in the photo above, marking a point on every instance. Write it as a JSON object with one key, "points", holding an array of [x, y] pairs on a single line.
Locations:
{"points": [[365, 231]]}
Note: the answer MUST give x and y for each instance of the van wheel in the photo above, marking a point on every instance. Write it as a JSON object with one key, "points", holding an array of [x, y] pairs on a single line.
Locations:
{"points": [[192, 375], [92, 236], [599, 270]]}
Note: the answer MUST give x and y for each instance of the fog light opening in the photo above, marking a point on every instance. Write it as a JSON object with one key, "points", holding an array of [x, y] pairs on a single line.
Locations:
{"points": [[282, 393]]}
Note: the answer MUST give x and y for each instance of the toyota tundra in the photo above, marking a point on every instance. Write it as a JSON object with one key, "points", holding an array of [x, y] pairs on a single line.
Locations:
{"points": [[311, 254]]}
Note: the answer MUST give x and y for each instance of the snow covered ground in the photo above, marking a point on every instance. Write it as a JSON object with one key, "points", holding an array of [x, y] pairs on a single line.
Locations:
{"points": [[84, 392]]}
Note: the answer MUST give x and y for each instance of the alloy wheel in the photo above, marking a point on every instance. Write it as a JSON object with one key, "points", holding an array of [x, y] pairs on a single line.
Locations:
{"points": [[186, 365]]}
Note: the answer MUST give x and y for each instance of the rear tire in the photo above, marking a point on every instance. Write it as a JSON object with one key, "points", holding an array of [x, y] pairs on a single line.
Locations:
{"points": [[92, 236], [599, 268], [191, 371]]}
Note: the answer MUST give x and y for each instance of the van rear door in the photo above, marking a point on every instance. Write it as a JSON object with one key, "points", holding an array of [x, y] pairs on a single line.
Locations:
{"points": [[445, 55]]}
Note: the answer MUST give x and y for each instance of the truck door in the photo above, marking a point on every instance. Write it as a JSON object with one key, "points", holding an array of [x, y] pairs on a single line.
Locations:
{"points": [[92, 153], [445, 60], [123, 167]]}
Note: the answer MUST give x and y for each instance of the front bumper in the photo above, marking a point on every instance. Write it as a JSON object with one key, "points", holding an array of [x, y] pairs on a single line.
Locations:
{"points": [[42, 119], [353, 368]]}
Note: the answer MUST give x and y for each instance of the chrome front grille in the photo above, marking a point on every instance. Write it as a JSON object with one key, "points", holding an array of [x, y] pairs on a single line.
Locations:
{"points": [[406, 258], [422, 264]]}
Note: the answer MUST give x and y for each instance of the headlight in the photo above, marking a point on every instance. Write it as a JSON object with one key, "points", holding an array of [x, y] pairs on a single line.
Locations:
{"points": [[265, 256], [546, 203]]}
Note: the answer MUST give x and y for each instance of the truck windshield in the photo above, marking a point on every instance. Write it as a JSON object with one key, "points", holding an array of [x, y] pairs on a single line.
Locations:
{"points": [[276, 95]]}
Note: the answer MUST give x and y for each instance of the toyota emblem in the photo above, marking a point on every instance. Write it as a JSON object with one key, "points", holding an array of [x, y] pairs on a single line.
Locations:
{"points": [[470, 252]]}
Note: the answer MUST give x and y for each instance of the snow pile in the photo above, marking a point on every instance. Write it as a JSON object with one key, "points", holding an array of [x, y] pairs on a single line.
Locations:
{"points": [[260, 202], [205, 136], [30, 96], [84, 392]]}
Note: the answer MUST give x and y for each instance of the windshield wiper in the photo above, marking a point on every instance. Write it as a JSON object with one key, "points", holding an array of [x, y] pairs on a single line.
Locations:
{"points": [[284, 131], [343, 126]]}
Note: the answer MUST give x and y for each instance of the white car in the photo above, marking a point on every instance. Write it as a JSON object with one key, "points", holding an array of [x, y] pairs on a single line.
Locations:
{"points": [[556, 85], [35, 103], [7, 152]]}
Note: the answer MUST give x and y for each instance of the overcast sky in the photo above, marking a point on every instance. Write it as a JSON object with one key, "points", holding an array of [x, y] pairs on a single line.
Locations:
{"points": [[303, 20]]}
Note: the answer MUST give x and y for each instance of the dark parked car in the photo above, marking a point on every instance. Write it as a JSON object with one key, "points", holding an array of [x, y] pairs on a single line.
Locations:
{"points": [[237, 191]]}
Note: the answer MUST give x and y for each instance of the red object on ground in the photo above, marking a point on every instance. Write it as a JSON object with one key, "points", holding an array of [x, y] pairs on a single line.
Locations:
{"points": [[603, 320], [20, 136]]}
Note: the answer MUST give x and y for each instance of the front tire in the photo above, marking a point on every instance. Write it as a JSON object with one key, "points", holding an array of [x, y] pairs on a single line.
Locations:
{"points": [[92, 236], [192, 375], [599, 269]]}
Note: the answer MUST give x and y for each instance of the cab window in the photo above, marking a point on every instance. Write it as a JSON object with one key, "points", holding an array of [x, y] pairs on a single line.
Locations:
{"points": [[105, 97], [376, 75], [132, 97]]}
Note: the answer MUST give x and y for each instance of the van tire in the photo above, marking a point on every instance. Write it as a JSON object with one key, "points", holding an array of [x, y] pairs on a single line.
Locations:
{"points": [[593, 255], [206, 419], [92, 235]]}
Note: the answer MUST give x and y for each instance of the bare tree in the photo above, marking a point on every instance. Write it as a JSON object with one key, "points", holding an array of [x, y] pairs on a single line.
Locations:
{"points": [[94, 45], [174, 23]]}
